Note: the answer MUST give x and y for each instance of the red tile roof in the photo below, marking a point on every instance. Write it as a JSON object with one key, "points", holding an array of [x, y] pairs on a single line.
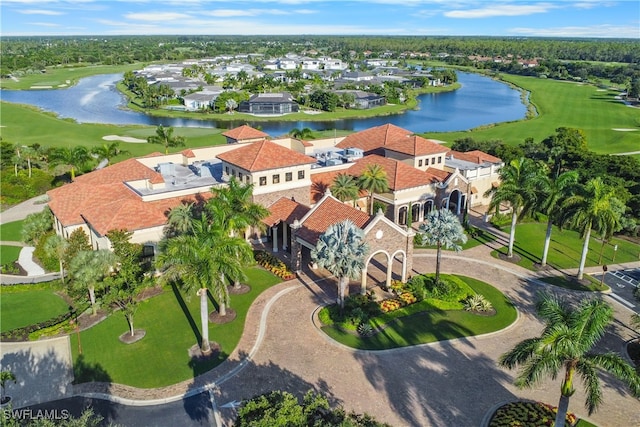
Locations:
{"points": [[285, 210], [264, 155], [399, 175], [127, 170], [374, 138], [188, 153], [437, 175], [244, 132], [417, 146], [329, 211], [475, 156]]}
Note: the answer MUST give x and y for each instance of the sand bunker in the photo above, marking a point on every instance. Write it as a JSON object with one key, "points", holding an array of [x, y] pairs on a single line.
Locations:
{"points": [[624, 129], [124, 139]]}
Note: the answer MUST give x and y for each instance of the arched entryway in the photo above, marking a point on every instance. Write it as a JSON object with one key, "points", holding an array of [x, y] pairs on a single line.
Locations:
{"points": [[381, 268]]}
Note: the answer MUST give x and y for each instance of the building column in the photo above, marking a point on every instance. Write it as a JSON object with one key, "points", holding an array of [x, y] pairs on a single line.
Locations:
{"points": [[363, 281], [274, 237], [389, 272], [296, 248], [407, 264], [459, 202], [284, 236]]}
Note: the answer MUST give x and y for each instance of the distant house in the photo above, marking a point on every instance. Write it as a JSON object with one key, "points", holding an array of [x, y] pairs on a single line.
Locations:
{"points": [[357, 76], [199, 100], [364, 100], [269, 103]]}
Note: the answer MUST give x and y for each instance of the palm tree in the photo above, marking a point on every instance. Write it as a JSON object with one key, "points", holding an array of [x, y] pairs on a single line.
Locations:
{"points": [[88, 270], [554, 193], [566, 341], [345, 187], [107, 151], [304, 133], [234, 207], [200, 260], [165, 137], [56, 246], [374, 180], [231, 104], [341, 250], [75, 157], [519, 182], [180, 219], [594, 206], [442, 228]]}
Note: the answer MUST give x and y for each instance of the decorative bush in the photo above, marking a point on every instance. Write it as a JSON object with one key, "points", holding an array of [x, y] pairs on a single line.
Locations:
{"points": [[274, 265], [365, 329], [397, 286], [477, 302], [449, 288], [528, 414], [404, 299]]}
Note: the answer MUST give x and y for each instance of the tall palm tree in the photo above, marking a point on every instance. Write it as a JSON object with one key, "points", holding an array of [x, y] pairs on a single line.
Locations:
{"points": [[165, 137], [345, 187], [594, 206], [342, 251], [74, 157], [200, 260], [554, 193], [88, 270], [234, 207], [566, 342], [56, 246], [180, 219], [442, 228], [374, 180], [519, 182]]}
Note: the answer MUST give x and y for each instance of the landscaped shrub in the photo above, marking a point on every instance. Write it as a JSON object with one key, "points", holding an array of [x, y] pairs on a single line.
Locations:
{"points": [[404, 299], [274, 265], [48, 263], [500, 220], [477, 302], [449, 288], [365, 329], [527, 414]]}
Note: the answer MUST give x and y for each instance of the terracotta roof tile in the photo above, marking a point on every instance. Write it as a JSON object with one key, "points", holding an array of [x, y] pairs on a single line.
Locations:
{"points": [[327, 212], [127, 170], [437, 175], [188, 153], [285, 210], [417, 146], [264, 155], [244, 132], [375, 138], [475, 156], [399, 175]]}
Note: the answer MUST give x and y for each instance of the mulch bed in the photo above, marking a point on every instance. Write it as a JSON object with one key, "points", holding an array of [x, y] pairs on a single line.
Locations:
{"points": [[514, 259], [127, 338], [195, 352], [242, 289], [215, 317]]}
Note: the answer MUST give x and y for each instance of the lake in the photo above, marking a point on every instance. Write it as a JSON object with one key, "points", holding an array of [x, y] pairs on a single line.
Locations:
{"points": [[480, 101]]}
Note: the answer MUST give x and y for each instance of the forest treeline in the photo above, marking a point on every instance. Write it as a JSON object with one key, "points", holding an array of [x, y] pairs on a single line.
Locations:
{"points": [[36, 53]]}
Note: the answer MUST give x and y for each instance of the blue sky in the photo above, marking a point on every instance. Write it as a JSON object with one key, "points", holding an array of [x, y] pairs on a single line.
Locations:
{"points": [[519, 18]]}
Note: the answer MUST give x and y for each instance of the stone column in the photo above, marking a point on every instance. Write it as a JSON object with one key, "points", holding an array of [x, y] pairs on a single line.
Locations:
{"points": [[363, 281], [274, 236], [296, 248], [284, 236], [407, 264]]}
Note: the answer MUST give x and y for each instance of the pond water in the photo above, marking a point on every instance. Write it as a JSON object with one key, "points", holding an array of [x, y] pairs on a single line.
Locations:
{"points": [[480, 101]]}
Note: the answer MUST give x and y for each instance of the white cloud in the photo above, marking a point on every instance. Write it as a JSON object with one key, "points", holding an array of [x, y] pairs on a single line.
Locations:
{"points": [[40, 12], [44, 24], [157, 16], [226, 13], [604, 31], [501, 10]]}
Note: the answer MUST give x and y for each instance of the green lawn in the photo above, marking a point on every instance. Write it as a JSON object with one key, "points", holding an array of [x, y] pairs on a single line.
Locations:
{"points": [[9, 254], [24, 305], [11, 231], [566, 248], [65, 76], [565, 104], [435, 325], [171, 325]]}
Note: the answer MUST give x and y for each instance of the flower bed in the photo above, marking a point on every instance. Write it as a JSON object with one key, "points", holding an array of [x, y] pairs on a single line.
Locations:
{"points": [[391, 304], [274, 265]]}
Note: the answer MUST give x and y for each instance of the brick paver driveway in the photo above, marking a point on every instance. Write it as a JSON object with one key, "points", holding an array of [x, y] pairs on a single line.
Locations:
{"points": [[442, 384]]}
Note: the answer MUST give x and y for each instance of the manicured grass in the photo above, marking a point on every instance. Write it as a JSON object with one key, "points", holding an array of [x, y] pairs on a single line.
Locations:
{"points": [[566, 248], [65, 76], [172, 325], [11, 231], [435, 324], [9, 254], [24, 305], [562, 282], [482, 237], [565, 104]]}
